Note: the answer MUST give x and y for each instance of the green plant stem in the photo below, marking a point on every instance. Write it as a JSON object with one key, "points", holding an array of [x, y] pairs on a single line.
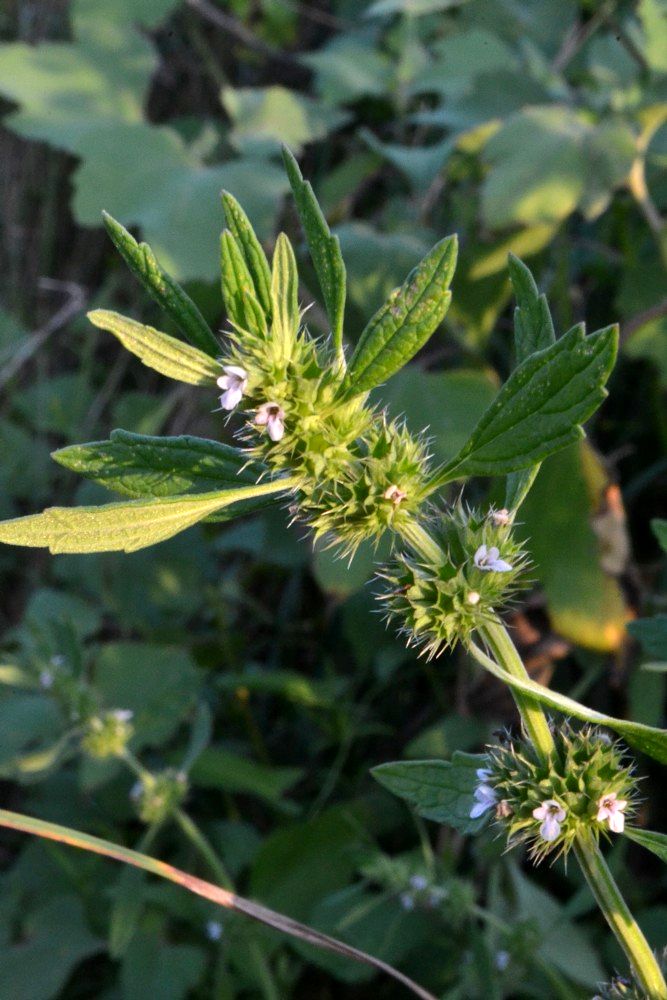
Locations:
{"points": [[204, 848], [600, 880], [534, 720]]}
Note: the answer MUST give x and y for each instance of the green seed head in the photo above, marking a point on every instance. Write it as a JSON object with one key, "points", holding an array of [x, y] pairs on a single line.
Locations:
{"points": [[439, 603], [587, 784]]}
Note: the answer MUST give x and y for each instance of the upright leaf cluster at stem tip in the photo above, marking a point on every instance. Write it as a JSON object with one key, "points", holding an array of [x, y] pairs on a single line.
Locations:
{"points": [[305, 424]]}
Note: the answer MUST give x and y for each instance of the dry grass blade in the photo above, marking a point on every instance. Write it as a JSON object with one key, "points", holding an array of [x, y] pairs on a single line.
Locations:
{"points": [[74, 838]]}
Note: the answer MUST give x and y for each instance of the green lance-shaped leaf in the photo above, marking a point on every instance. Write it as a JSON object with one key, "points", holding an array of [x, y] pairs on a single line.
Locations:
{"points": [[533, 331], [647, 739], [440, 790], [324, 249], [253, 254], [540, 408], [138, 465], [656, 842], [238, 288], [284, 295], [167, 355], [124, 527], [405, 322], [167, 293]]}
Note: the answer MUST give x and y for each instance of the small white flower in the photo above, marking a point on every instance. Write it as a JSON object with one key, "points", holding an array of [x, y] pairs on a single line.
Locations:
{"points": [[395, 494], [489, 560], [473, 597], [234, 382], [485, 796], [407, 901], [214, 930], [418, 882], [611, 809], [501, 960], [552, 815], [272, 416], [501, 518], [58, 660], [136, 791], [122, 714], [46, 679]]}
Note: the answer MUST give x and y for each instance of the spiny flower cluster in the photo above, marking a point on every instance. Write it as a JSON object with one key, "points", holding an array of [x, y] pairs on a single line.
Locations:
{"points": [[587, 783], [358, 472], [108, 733], [439, 603], [157, 796]]}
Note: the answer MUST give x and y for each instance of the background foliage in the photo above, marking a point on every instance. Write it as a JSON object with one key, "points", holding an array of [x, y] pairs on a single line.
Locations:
{"points": [[249, 662]]}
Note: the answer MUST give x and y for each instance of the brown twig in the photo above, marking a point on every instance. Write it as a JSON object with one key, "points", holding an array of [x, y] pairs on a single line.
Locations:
{"points": [[74, 304], [239, 31]]}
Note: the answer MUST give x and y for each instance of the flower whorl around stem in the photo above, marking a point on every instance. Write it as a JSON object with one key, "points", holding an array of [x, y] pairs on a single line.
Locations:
{"points": [[439, 603], [546, 804]]}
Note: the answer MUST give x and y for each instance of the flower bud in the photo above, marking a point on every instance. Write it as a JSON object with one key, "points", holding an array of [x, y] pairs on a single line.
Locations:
{"points": [[157, 796], [108, 733]]}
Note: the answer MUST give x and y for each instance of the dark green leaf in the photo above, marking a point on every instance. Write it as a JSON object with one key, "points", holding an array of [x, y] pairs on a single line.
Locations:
{"points": [[647, 739], [656, 842], [660, 531], [167, 293], [440, 790], [540, 408], [324, 248], [253, 254], [138, 465], [652, 634], [533, 331], [405, 322]]}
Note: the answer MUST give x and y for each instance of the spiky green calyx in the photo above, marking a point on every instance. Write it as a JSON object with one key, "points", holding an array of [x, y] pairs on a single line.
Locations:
{"points": [[157, 796], [439, 603], [381, 487], [586, 768]]}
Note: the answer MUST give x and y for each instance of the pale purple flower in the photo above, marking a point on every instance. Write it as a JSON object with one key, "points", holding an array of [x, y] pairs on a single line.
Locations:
{"points": [[395, 494], [407, 901], [501, 960], [122, 714], [485, 796], [552, 815], [489, 560], [272, 416], [234, 382], [214, 930], [418, 882], [46, 679], [611, 809]]}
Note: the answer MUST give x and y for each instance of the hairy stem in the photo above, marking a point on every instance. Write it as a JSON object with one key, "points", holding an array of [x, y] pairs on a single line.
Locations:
{"points": [[600, 880]]}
